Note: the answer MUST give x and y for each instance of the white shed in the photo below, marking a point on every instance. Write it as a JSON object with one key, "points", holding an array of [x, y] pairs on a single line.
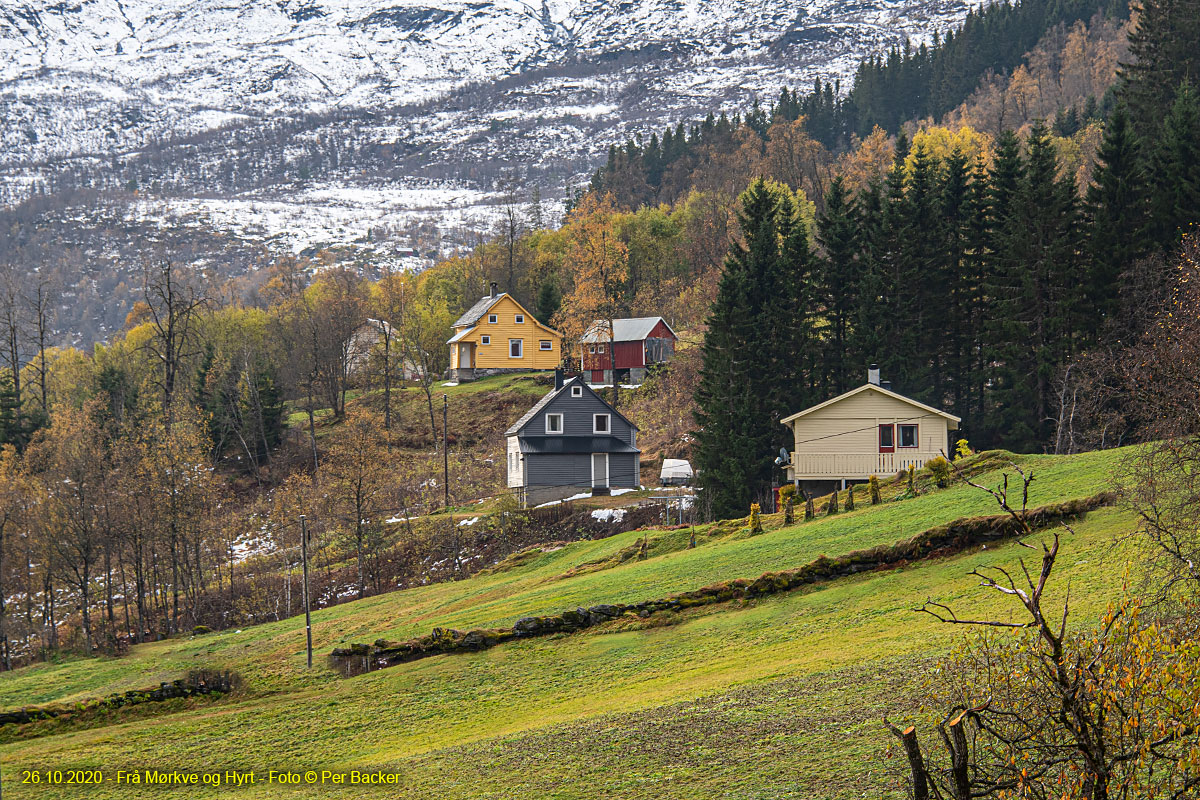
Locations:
{"points": [[675, 472]]}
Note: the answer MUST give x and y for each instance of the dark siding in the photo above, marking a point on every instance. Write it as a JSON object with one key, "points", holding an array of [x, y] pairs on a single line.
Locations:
{"points": [[623, 470], [576, 470], [577, 416], [555, 469], [558, 470]]}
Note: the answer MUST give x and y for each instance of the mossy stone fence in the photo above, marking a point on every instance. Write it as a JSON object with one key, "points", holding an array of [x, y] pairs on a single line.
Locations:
{"points": [[940, 541], [200, 683]]}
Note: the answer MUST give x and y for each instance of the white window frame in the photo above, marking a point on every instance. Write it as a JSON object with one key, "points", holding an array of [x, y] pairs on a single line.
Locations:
{"points": [[519, 319], [900, 426], [545, 344], [561, 426], [591, 349], [607, 423], [599, 348], [520, 348], [485, 339], [576, 391], [493, 319]]}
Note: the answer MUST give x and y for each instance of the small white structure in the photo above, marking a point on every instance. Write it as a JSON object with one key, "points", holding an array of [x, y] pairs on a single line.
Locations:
{"points": [[675, 472], [867, 431]]}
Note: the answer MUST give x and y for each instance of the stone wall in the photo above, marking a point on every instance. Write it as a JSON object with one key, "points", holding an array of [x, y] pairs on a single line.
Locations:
{"points": [[940, 541]]}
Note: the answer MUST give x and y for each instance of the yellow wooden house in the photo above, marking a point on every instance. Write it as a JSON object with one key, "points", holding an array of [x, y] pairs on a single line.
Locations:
{"points": [[498, 335]]}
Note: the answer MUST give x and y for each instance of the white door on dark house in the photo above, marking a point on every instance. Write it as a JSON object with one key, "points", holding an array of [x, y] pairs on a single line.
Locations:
{"points": [[600, 470]]}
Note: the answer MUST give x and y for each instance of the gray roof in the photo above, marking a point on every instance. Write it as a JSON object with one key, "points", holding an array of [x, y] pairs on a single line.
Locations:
{"points": [[575, 444], [476, 312], [632, 329], [540, 404]]}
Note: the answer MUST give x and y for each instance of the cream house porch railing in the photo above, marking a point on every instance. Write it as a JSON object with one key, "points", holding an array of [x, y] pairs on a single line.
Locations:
{"points": [[808, 466]]}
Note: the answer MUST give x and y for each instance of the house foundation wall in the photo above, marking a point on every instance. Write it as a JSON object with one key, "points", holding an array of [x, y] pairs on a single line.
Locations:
{"points": [[465, 374]]}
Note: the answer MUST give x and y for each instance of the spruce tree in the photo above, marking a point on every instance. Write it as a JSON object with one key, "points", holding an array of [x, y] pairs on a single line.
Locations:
{"points": [[747, 372], [835, 286], [1037, 252], [1176, 202], [956, 338], [1164, 49], [549, 299], [1117, 217], [868, 327]]}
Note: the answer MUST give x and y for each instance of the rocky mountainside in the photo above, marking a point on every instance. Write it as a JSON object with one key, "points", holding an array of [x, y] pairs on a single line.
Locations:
{"points": [[296, 125], [109, 76]]}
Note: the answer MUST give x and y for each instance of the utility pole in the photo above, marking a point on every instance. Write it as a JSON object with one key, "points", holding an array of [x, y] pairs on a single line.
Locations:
{"points": [[304, 558], [445, 452]]}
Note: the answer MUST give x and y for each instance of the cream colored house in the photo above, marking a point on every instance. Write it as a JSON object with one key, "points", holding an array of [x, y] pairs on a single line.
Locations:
{"points": [[867, 431]]}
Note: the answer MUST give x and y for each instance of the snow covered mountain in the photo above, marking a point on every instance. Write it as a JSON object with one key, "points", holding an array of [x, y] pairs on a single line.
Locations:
{"points": [[98, 76], [375, 129]]}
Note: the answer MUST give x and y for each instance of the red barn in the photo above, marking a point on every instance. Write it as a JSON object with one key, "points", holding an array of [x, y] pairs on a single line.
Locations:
{"points": [[636, 345]]}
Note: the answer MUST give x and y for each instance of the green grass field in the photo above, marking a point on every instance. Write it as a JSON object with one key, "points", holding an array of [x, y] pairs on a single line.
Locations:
{"points": [[779, 697]]}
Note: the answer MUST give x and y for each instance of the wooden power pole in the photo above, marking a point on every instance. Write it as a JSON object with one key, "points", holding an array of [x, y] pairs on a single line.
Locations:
{"points": [[445, 452], [304, 559]]}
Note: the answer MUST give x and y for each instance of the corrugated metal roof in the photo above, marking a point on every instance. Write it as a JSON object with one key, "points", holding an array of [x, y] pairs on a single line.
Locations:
{"points": [[476, 312], [632, 329], [460, 335], [575, 444]]}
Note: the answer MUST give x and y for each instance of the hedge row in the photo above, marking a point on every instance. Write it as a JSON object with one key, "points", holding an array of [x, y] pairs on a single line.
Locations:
{"points": [[953, 537]]}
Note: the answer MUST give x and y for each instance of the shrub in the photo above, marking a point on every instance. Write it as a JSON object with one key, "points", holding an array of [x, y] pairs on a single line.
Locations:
{"points": [[962, 449], [788, 494], [874, 485], [850, 499], [940, 469], [809, 511], [200, 630], [755, 518], [912, 474], [833, 505]]}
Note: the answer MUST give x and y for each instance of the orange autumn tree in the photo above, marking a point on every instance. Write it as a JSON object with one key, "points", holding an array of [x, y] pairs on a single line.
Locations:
{"points": [[597, 261]]}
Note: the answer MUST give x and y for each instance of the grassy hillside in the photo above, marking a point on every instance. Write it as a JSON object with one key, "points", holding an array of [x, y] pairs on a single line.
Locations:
{"points": [[773, 698]]}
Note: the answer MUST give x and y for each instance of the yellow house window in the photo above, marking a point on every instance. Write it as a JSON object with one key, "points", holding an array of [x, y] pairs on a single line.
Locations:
{"points": [[492, 318], [545, 345], [515, 348], [519, 318], [485, 339]]}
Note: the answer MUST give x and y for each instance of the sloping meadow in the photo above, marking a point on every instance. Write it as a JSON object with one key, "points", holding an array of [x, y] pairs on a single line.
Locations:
{"points": [[780, 688]]}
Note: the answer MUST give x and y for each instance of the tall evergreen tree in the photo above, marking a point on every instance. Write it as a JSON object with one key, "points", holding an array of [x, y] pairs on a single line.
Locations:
{"points": [[835, 286], [1037, 254], [1176, 202], [1117, 215], [743, 381], [1164, 49], [956, 337]]}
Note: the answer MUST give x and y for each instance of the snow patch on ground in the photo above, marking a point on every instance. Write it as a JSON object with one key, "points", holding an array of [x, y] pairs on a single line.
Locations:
{"points": [[582, 496], [613, 515], [467, 522]]}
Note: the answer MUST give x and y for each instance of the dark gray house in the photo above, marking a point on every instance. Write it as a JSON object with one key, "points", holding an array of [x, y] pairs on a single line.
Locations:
{"points": [[571, 441]]}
